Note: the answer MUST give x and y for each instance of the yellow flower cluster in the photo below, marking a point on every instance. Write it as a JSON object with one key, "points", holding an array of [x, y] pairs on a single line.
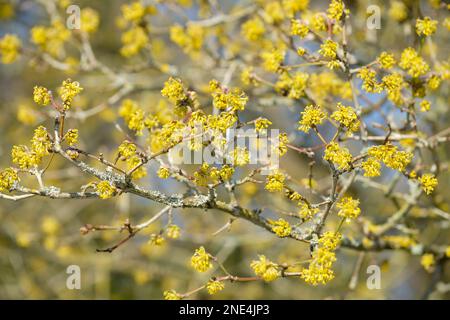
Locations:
{"points": [[328, 49], [386, 60], [335, 9], [233, 99], [156, 240], [394, 83], [347, 117], [281, 227], [163, 173], [190, 39], [201, 260], [171, 295], [42, 96], [68, 91], [371, 167], [425, 105], [40, 146], [240, 156], [426, 26], [133, 40], [214, 286], [428, 262], [428, 182], [311, 117], [413, 63], [399, 241], [273, 59], [275, 182], [173, 231], [135, 117], [348, 208], [398, 11], [391, 156], [133, 12], [253, 29], [299, 28], [71, 137], [292, 85], [340, 156], [261, 124], [265, 269], [127, 149], [273, 12], [174, 91], [319, 270], [89, 20], [307, 212], [10, 46], [370, 83], [105, 189], [51, 39], [8, 178]]}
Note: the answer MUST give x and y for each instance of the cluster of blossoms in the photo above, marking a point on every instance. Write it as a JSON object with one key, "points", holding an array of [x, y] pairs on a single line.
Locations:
{"points": [[266, 269], [201, 260], [136, 36], [281, 227], [105, 189], [338, 155], [390, 156], [320, 268], [311, 117], [10, 46], [348, 208]]}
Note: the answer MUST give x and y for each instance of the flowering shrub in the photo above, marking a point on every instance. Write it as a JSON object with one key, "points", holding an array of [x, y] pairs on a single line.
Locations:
{"points": [[357, 169]]}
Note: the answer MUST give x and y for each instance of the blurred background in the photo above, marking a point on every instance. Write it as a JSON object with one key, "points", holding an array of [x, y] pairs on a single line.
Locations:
{"points": [[40, 238]]}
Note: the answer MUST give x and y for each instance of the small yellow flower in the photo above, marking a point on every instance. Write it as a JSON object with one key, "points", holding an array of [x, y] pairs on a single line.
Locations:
{"points": [[253, 29], [68, 91], [371, 167], [105, 189], [8, 178], [89, 20], [157, 240], [275, 182], [163, 173], [298, 28], [340, 156], [41, 96], [428, 182], [71, 137], [127, 149], [426, 26], [347, 117], [265, 269], [10, 47], [348, 208], [328, 49], [335, 9], [261, 124], [428, 262], [306, 211], [311, 117], [174, 90], [281, 227], [173, 231], [425, 105], [172, 295], [201, 260], [214, 286], [386, 60]]}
